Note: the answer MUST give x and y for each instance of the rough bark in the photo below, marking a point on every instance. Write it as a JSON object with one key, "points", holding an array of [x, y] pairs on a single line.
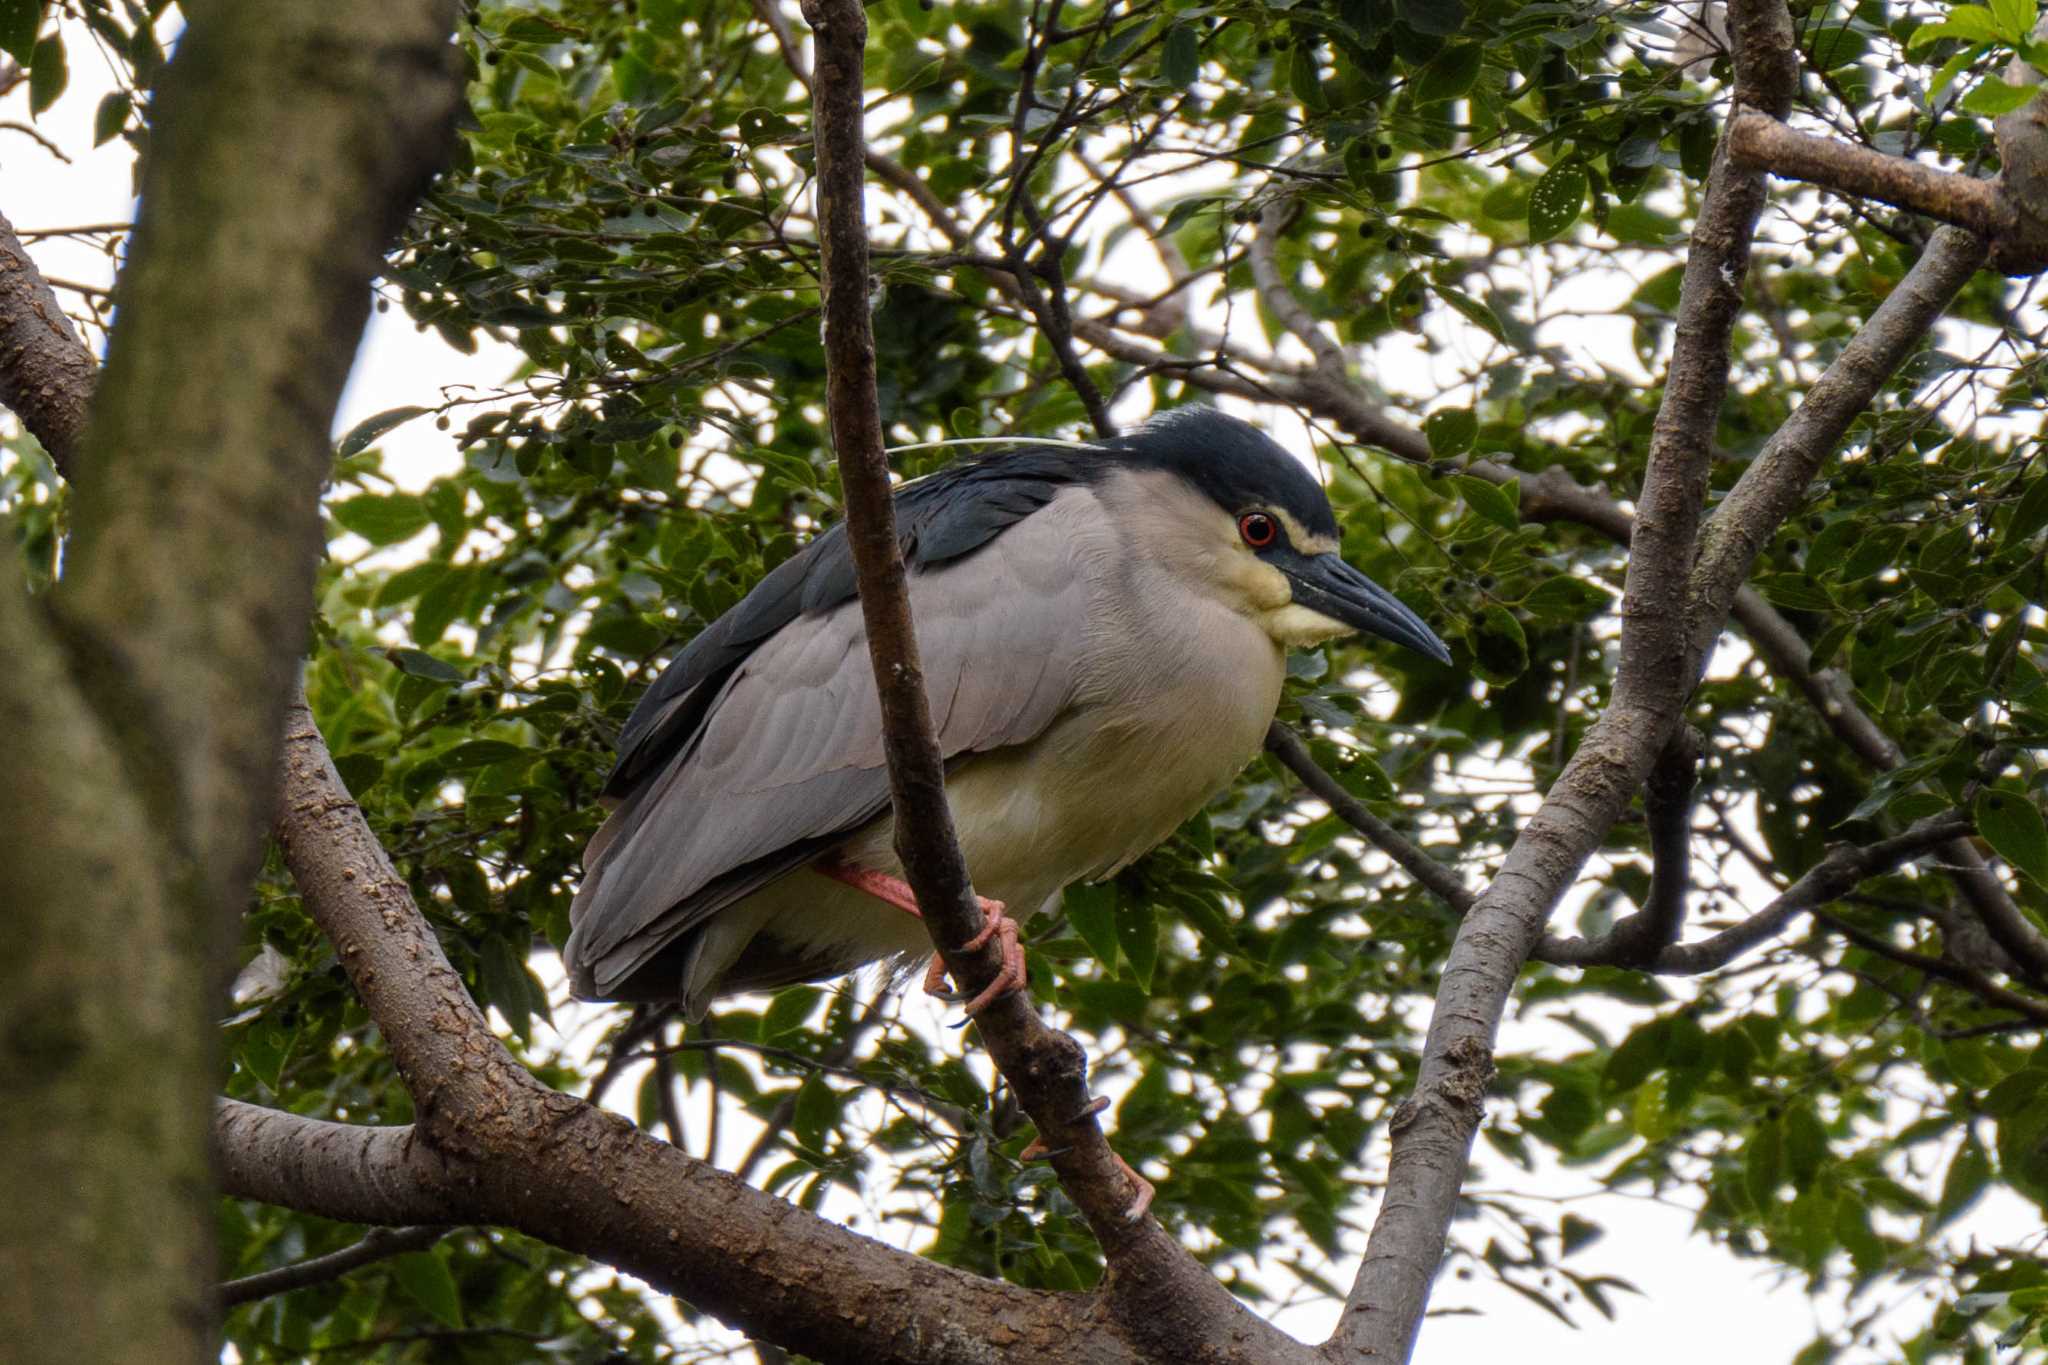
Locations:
{"points": [[144, 695], [46, 373], [2001, 211], [99, 1135], [1433, 1130]]}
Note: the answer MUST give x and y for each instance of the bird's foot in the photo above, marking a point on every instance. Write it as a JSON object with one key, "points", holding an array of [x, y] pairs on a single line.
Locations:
{"points": [[999, 926], [1142, 1189], [995, 923]]}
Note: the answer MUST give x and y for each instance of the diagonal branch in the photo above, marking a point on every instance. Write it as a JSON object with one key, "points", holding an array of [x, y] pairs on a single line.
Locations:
{"points": [[1433, 1130], [46, 373], [493, 1145], [377, 1245], [1157, 1292]]}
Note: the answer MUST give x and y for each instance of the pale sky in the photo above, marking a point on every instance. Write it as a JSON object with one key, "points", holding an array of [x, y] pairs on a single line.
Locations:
{"points": [[1701, 1306]]}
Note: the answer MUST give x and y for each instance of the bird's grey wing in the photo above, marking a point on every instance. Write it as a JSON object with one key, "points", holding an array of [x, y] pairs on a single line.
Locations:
{"points": [[788, 758]]}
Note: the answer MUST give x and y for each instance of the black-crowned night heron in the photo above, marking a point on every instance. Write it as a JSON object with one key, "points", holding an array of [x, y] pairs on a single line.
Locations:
{"points": [[1104, 629]]}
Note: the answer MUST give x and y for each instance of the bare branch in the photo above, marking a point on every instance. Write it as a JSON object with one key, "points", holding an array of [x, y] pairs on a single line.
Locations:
{"points": [[1156, 1291], [1638, 940], [1432, 1132], [343, 1171], [1279, 298], [1970, 979], [492, 1145], [1833, 877], [1984, 208], [46, 373], [377, 1245], [1441, 881]]}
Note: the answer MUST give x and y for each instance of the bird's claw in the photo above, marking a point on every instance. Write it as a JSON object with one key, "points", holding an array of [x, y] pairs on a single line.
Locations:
{"points": [[1144, 1190], [999, 926]]}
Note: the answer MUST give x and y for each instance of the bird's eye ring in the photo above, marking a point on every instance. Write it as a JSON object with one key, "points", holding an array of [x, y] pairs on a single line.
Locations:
{"points": [[1258, 530]]}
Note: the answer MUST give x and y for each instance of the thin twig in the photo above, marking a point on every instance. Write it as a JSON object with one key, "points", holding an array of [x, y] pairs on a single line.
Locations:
{"points": [[377, 1244]]}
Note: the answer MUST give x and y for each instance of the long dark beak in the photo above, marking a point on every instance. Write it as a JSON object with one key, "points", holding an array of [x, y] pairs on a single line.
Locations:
{"points": [[1325, 583]]}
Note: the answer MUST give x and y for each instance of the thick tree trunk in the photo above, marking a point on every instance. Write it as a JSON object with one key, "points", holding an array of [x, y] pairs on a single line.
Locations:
{"points": [[142, 708]]}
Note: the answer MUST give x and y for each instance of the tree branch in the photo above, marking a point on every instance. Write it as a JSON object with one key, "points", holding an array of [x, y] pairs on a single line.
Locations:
{"points": [[1981, 207], [377, 1245], [1956, 973], [1439, 880], [46, 373], [493, 1145], [185, 596], [1640, 939], [1263, 255], [1158, 1293], [1432, 1131]]}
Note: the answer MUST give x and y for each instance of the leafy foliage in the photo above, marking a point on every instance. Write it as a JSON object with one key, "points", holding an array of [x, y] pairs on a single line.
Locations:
{"points": [[1486, 205]]}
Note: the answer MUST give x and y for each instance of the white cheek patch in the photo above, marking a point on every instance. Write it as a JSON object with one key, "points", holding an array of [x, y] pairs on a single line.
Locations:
{"points": [[1299, 627]]}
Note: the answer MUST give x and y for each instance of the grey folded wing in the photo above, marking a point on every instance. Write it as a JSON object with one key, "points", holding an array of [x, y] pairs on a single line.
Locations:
{"points": [[787, 761]]}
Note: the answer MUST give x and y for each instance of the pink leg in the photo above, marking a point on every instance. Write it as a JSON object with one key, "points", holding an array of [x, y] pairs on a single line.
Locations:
{"points": [[893, 891], [1143, 1189]]}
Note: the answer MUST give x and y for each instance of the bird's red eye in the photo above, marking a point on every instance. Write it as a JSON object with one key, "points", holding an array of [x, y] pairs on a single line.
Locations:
{"points": [[1258, 530]]}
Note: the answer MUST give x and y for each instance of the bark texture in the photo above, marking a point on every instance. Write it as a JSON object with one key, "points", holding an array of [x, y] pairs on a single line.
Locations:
{"points": [[46, 373], [1157, 1292], [142, 701]]}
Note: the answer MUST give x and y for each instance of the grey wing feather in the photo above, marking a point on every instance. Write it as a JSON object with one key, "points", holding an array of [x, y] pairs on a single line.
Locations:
{"points": [[788, 757]]}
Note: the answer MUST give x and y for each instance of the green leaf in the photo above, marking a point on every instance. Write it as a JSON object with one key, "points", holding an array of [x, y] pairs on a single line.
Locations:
{"points": [[20, 21], [2011, 823], [1969, 1171], [1450, 74], [1557, 200], [504, 980], [111, 117], [1972, 23], [1091, 910], [2015, 18], [1498, 503], [1576, 1233], [1179, 62], [1833, 46], [1450, 431], [788, 1011], [1207, 919], [265, 1048], [1438, 18], [1696, 148], [48, 76], [1501, 650], [1305, 79], [817, 1110], [1991, 97], [359, 771], [363, 433], [479, 753], [1952, 68], [1565, 599], [425, 1277], [441, 603], [383, 520], [1137, 933], [2031, 514], [1475, 312], [1366, 779], [420, 664]]}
